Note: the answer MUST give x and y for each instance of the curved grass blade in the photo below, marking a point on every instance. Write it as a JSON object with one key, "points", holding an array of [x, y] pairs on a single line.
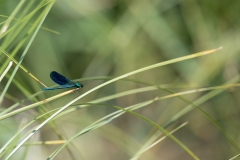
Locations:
{"points": [[3, 148], [189, 108], [8, 21], [122, 111], [34, 105], [234, 157], [43, 28], [24, 69], [109, 82], [26, 17], [135, 157], [20, 26], [6, 70], [26, 49]]}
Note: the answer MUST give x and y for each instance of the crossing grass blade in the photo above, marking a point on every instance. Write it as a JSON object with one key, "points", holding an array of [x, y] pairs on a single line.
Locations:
{"points": [[24, 69], [36, 27], [109, 82], [121, 111], [5, 71], [34, 105], [44, 28]]}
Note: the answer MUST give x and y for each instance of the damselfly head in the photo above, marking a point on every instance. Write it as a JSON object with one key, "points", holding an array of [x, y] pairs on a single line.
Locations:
{"points": [[79, 85]]}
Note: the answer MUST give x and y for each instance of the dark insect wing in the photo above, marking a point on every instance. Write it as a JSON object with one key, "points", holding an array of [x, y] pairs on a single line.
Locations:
{"points": [[59, 79], [62, 81]]}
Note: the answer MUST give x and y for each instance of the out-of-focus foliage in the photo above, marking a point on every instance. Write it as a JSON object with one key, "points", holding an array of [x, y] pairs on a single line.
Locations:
{"points": [[90, 38]]}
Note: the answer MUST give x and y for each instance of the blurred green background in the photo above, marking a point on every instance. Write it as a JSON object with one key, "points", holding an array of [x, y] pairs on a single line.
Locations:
{"points": [[111, 38]]}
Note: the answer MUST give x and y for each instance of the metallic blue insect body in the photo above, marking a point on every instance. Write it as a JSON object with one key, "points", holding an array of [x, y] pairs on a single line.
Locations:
{"points": [[62, 81]]}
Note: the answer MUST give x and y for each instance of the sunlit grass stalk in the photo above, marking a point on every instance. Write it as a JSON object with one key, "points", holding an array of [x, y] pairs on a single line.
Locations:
{"points": [[44, 28], [18, 103], [35, 104], [168, 96], [126, 93], [25, 51], [8, 21], [23, 68], [234, 157], [3, 148], [108, 82], [194, 91], [100, 100], [25, 18], [11, 36], [188, 108], [6, 70], [18, 27], [121, 111], [135, 157]]}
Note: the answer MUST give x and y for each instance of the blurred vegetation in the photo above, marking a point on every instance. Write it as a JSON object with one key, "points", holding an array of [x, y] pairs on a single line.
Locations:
{"points": [[94, 41]]}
